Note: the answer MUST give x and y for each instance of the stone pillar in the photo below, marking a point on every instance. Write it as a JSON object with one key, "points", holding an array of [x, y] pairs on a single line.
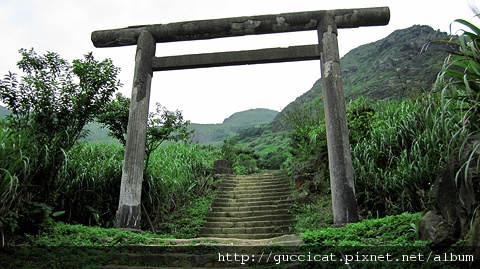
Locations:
{"points": [[344, 203], [129, 207]]}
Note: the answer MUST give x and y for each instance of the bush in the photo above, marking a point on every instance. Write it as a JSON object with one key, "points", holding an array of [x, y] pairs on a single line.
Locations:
{"points": [[405, 146], [50, 105], [389, 231], [90, 180], [244, 161]]}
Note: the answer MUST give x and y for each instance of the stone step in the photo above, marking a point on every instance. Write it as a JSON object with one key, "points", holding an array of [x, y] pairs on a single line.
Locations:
{"points": [[247, 236], [249, 208], [256, 189], [230, 181], [255, 195], [222, 242], [252, 200], [250, 224], [231, 184], [255, 180], [245, 214], [213, 218], [257, 175], [241, 202], [208, 231], [271, 192]]}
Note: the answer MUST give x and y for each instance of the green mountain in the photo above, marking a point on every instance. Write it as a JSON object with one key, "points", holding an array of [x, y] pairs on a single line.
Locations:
{"points": [[216, 133], [3, 112], [403, 64], [204, 133]]}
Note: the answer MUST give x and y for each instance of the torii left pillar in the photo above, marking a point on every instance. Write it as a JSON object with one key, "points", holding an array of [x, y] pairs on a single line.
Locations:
{"points": [[129, 206], [344, 203]]}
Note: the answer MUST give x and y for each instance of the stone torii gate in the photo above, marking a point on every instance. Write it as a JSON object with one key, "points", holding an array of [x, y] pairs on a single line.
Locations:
{"points": [[325, 22]]}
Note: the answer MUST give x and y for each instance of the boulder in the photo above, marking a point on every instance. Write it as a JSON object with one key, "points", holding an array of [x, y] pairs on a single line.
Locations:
{"points": [[455, 196], [221, 167]]}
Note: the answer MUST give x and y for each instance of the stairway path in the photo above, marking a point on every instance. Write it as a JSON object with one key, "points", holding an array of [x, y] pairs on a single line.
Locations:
{"points": [[250, 215], [251, 207]]}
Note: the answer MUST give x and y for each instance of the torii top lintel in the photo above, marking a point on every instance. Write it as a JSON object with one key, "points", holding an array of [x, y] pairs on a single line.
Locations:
{"points": [[240, 26]]}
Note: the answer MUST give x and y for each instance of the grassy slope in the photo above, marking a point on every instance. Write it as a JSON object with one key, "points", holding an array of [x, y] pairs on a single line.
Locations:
{"points": [[397, 66]]}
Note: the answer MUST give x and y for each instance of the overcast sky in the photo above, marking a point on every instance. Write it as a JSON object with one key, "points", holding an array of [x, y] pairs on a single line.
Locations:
{"points": [[212, 94]]}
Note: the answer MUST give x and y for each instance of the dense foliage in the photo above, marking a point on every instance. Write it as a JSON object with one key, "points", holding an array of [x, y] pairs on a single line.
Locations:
{"points": [[162, 125], [399, 147], [50, 104], [47, 175]]}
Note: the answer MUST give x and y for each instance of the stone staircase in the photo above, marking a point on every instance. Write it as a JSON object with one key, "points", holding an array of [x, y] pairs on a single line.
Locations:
{"points": [[251, 207], [249, 218]]}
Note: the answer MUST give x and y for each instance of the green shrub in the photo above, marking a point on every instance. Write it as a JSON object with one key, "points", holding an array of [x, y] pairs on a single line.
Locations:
{"points": [[388, 231], [90, 182], [243, 160], [406, 145]]}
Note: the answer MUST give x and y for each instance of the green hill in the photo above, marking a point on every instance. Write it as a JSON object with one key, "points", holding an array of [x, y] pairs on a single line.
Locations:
{"points": [[402, 65], [251, 117], [3, 112], [216, 133], [204, 133]]}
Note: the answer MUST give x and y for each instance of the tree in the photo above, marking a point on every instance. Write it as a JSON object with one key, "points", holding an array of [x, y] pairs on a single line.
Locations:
{"points": [[114, 117], [53, 101], [163, 125]]}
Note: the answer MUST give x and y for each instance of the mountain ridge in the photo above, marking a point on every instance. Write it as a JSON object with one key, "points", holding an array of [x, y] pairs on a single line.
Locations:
{"points": [[401, 65], [216, 133]]}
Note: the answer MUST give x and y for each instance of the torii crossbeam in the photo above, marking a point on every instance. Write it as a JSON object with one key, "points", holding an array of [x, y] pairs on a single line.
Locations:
{"points": [[325, 22]]}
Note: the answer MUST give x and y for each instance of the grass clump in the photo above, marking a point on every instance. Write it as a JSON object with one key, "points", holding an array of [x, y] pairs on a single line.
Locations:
{"points": [[389, 231], [187, 221], [314, 215], [62, 234]]}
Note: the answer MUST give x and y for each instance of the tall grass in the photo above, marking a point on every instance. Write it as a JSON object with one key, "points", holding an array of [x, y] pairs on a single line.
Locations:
{"points": [[177, 174], [407, 144], [90, 182], [19, 164], [459, 84]]}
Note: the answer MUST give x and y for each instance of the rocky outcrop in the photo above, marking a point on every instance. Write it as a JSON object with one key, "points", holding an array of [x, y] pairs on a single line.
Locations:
{"points": [[455, 198]]}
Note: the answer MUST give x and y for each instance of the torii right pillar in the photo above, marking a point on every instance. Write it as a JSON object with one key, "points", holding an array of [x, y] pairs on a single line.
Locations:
{"points": [[344, 203]]}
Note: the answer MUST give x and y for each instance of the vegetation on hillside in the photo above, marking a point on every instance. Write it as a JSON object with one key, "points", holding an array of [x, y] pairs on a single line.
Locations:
{"points": [[215, 134], [398, 66], [404, 133], [48, 175]]}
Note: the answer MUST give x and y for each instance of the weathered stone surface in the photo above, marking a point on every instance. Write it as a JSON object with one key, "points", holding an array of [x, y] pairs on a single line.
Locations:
{"points": [[344, 203], [302, 197], [455, 196], [254, 206], [222, 167], [427, 225], [240, 26], [232, 58], [128, 214]]}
